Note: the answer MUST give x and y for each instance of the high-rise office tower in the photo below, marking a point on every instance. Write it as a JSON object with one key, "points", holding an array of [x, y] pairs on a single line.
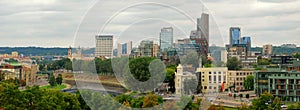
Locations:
{"points": [[166, 38], [246, 41], [203, 26], [124, 49], [235, 35], [104, 46]]}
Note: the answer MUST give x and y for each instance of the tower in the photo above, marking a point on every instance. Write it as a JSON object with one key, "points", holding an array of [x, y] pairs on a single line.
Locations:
{"points": [[70, 53], [234, 35]]}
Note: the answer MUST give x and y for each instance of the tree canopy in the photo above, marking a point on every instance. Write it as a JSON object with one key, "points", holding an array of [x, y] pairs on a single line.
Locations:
{"points": [[233, 63], [249, 82]]}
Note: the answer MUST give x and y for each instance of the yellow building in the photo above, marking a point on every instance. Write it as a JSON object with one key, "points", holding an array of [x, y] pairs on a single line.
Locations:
{"points": [[212, 79], [14, 54], [238, 77]]}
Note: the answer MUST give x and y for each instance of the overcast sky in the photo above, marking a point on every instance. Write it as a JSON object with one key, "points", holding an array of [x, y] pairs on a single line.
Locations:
{"points": [[54, 23]]}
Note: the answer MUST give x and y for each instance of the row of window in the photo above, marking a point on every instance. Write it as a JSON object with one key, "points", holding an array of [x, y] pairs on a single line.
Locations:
{"points": [[240, 74], [216, 72], [210, 87]]}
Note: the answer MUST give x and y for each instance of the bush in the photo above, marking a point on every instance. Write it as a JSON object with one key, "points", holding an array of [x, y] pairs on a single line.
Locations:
{"points": [[247, 96], [241, 95], [234, 95]]}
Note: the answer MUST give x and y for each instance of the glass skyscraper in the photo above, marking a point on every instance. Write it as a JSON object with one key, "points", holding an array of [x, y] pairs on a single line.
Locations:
{"points": [[235, 35], [247, 41], [166, 38]]}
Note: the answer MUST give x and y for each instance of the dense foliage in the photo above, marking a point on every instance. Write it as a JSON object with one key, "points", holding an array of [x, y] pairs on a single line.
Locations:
{"points": [[233, 63], [34, 98], [249, 82], [266, 101]]}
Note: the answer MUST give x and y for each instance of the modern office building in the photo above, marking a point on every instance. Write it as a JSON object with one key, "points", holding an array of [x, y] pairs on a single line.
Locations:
{"points": [[285, 85], [184, 49], [237, 78], [212, 79], [267, 50], [166, 38], [283, 61], [124, 49], [246, 41], [104, 46], [234, 35], [203, 26]]}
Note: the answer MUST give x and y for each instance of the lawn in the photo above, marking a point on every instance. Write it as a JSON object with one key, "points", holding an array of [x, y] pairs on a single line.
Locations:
{"points": [[57, 87]]}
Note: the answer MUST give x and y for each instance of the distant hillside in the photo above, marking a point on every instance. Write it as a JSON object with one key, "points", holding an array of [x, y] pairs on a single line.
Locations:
{"points": [[40, 51], [34, 51], [279, 50]]}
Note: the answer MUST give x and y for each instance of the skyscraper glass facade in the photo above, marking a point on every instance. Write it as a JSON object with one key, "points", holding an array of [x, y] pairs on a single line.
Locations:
{"points": [[235, 35], [166, 38], [124, 48]]}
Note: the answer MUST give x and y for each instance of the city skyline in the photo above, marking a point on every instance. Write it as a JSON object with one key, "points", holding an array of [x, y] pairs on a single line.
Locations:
{"points": [[54, 23]]}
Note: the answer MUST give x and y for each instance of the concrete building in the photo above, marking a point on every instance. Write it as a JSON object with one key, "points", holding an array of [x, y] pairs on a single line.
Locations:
{"points": [[124, 49], [234, 35], [29, 73], [104, 46], [212, 79], [224, 56], [180, 76], [25, 72], [166, 38], [156, 50], [237, 78], [146, 48], [267, 50], [183, 41]]}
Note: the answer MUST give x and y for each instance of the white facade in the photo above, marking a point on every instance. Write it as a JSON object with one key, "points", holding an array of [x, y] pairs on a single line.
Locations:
{"points": [[124, 49]]}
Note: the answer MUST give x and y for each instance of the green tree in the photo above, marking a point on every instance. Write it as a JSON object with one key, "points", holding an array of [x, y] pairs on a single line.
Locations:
{"points": [[241, 96], [151, 100], [297, 55], [264, 61], [247, 96], [233, 64], [262, 102], [144, 71], [276, 104], [234, 95], [2, 76], [249, 82], [59, 79], [170, 78], [52, 81]]}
